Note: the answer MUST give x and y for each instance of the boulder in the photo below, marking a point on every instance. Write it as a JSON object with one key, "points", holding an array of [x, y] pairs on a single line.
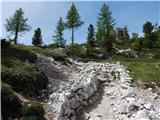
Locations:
{"points": [[123, 107], [153, 115], [142, 115]]}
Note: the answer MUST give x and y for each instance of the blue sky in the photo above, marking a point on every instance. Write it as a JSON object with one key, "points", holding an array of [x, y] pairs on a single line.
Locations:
{"points": [[46, 14]]}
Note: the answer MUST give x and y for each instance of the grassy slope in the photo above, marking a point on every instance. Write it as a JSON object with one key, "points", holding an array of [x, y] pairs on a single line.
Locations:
{"points": [[146, 71], [13, 58], [142, 68]]}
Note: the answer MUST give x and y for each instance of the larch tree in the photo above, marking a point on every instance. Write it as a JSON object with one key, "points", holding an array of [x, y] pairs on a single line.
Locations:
{"points": [[17, 24], [58, 37], [104, 23], [73, 20]]}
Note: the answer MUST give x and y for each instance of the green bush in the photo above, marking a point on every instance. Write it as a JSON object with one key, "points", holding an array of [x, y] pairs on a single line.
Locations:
{"points": [[33, 108], [76, 50], [17, 52], [29, 118], [11, 105], [4, 43], [27, 83]]}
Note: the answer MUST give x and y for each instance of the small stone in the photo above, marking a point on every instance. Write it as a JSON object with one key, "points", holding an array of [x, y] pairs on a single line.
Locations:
{"points": [[85, 103], [99, 115], [87, 116], [147, 106], [129, 115], [149, 89], [112, 103], [114, 109], [108, 93], [112, 97], [141, 101], [123, 107], [90, 101], [155, 96]]}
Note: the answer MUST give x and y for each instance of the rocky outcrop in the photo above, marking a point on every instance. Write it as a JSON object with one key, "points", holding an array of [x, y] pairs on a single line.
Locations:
{"points": [[127, 52], [83, 87], [120, 101]]}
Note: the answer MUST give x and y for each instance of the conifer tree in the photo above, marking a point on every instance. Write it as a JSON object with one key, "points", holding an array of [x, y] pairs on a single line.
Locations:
{"points": [[58, 37], [73, 20]]}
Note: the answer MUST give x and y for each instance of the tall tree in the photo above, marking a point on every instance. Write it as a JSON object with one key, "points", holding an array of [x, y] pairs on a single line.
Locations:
{"points": [[37, 38], [148, 28], [105, 21], [119, 34], [90, 38], [149, 37], [110, 37], [17, 24], [73, 20], [58, 37], [125, 33], [158, 38], [135, 36]]}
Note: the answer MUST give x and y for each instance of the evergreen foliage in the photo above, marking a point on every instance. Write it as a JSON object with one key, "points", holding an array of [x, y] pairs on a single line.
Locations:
{"points": [[37, 38], [73, 20], [17, 24], [58, 37]]}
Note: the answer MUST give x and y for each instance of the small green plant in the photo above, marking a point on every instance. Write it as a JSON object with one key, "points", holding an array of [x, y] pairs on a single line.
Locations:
{"points": [[32, 108], [29, 118], [11, 105]]}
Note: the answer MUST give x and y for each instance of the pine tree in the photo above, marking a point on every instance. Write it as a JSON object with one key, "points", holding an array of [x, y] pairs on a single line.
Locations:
{"points": [[37, 38], [73, 20], [17, 25], [110, 38], [105, 21], [58, 37], [90, 38], [125, 33], [147, 29]]}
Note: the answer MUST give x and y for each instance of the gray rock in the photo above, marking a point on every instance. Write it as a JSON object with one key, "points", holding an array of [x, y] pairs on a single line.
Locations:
{"points": [[142, 115], [153, 115], [142, 101], [148, 106], [123, 107], [101, 79], [124, 86]]}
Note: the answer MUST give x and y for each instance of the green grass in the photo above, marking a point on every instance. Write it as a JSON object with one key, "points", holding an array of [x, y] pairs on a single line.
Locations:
{"points": [[47, 52], [144, 71], [21, 76], [13, 58]]}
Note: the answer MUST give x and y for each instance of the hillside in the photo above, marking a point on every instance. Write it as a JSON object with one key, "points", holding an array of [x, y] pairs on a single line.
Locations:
{"points": [[43, 74]]}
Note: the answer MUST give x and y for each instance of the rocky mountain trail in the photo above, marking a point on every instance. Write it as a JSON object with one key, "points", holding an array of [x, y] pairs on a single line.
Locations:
{"points": [[95, 91]]}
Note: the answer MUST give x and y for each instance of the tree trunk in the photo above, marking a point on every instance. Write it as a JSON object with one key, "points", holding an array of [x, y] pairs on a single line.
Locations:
{"points": [[16, 36], [72, 36]]}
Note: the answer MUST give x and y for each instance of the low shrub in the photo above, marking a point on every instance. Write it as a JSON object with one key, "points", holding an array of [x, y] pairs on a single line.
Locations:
{"points": [[28, 83], [28, 118], [32, 108], [76, 50], [4, 43], [11, 105]]}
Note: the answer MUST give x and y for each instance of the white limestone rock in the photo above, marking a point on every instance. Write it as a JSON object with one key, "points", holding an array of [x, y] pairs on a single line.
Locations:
{"points": [[142, 115]]}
